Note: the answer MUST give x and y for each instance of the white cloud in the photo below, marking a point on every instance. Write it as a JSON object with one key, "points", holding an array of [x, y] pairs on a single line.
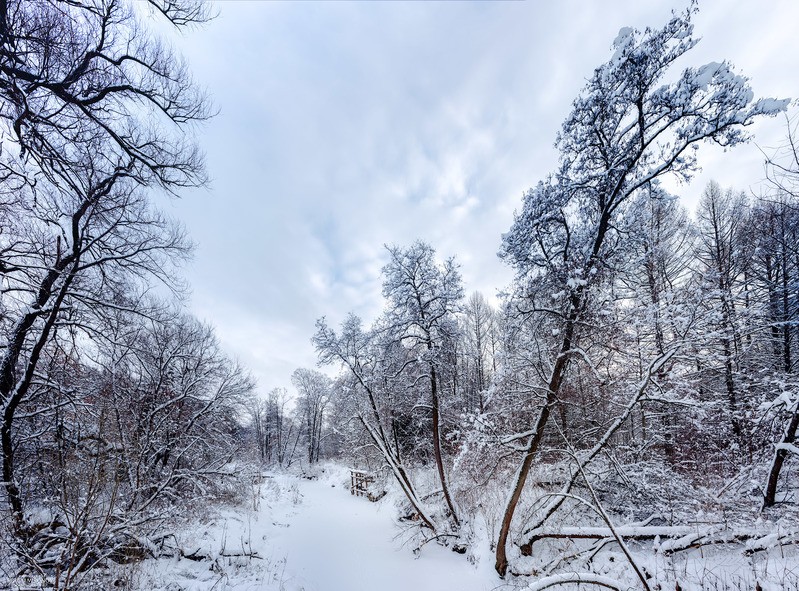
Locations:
{"points": [[345, 126]]}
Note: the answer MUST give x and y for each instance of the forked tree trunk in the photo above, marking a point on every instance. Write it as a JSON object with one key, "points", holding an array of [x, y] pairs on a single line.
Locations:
{"points": [[555, 380], [576, 298], [13, 388]]}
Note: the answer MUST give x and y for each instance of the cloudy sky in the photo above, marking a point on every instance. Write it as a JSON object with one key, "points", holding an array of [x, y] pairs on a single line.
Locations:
{"points": [[346, 126]]}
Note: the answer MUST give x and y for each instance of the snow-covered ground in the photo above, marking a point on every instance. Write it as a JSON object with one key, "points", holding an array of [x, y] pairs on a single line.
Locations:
{"points": [[311, 535]]}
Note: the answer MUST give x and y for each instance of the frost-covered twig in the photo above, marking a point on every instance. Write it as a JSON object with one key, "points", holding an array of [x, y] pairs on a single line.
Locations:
{"points": [[577, 579], [587, 458], [600, 510]]}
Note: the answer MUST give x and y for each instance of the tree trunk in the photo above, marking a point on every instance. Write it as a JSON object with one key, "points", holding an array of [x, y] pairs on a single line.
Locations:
{"points": [[555, 380], [779, 459], [437, 446]]}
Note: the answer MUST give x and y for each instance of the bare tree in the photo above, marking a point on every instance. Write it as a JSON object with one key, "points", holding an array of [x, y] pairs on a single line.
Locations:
{"points": [[782, 165], [314, 389], [98, 109], [779, 272], [662, 242], [366, 360], [64, 273], [423, 297], [627, 129], [480, 347], [117, 432], [722, 254], [83, 77]]}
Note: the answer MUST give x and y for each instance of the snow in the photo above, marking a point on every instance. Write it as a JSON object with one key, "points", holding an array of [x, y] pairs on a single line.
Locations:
{"points": [[772, 105], [312, 535], [575, 282], [577, 578], [625, 37], [339, 541], [788, 447], [704, 75]]}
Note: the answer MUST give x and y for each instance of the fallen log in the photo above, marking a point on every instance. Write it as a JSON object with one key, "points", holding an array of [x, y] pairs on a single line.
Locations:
{"points": [[599, 533], [676, 538]]}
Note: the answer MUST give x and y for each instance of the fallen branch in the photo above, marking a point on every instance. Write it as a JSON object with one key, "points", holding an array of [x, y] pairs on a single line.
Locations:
{"points": [[599, 533], [586, 458], [195, 556], [755, 541], [679, 537], [252, 554], [577, 579]]}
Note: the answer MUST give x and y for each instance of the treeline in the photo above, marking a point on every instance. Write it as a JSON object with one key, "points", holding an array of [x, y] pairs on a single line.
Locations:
{"points": [[294, 429], [117, 409], [641, 366]]}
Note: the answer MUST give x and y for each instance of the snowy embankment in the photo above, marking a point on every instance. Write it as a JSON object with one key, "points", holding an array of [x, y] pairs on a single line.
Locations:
{"points": [[310, 535]]}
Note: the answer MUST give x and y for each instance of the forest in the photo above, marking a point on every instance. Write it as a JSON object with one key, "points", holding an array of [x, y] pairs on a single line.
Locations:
{"points": [[630, 398]]}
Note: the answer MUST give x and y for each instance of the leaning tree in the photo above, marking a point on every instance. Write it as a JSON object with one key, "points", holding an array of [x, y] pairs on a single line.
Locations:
{"points": [[629, 127]]}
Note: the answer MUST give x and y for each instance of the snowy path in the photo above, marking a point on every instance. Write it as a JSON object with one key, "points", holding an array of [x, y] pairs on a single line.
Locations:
{"points": [[333, 541]]}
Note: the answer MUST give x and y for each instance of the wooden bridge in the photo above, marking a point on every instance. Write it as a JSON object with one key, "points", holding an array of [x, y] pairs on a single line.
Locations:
{"points": [[359, 483]]}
